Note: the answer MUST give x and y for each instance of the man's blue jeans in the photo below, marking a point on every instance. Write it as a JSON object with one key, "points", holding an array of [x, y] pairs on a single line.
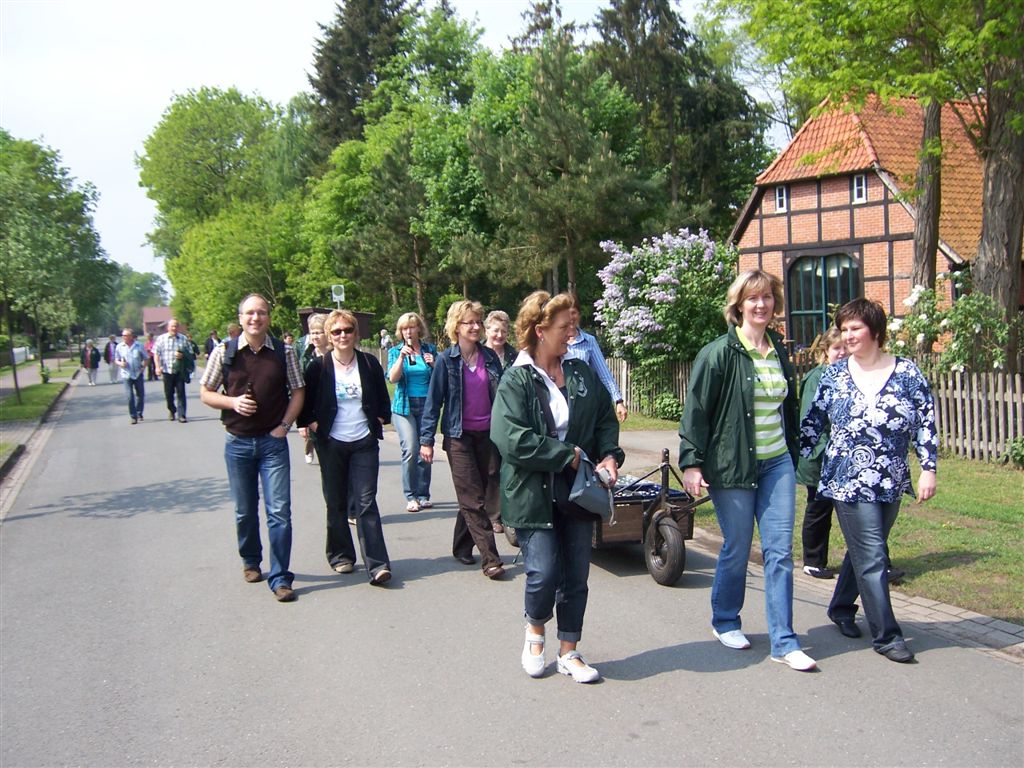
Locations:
{"points": [[415, 471], [771, 504], [866, 528], [557, 563], [251, 461], [136, 395]]}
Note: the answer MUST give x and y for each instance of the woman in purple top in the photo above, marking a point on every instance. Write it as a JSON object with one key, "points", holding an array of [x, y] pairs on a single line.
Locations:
{"points": [[463, 384]]}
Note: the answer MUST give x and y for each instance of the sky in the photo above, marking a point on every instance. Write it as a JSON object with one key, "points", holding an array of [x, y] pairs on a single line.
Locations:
{"points": [[91, 78]]}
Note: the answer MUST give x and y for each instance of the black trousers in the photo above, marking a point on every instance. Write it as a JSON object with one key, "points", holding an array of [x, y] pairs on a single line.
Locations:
{"points": [[474, 463], [174, 384]]}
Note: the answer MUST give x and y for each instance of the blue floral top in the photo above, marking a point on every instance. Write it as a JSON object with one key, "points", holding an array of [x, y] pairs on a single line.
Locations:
{"points": [[866, 455]]}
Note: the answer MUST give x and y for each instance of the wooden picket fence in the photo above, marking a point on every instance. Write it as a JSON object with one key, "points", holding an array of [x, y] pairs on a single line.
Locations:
{"points": [[978, 414]]}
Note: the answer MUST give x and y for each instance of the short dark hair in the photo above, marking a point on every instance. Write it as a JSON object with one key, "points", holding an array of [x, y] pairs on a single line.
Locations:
{"points": [[868, 312]]}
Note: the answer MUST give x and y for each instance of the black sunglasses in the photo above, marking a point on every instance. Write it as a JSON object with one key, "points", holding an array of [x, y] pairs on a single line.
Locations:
{"points": [[339, 331]]}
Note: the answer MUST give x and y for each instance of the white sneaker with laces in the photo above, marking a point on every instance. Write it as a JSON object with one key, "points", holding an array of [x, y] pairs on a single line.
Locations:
{"points": [[732, 639], [533, 664], [309, 458], [581, 674], [797, 660]]}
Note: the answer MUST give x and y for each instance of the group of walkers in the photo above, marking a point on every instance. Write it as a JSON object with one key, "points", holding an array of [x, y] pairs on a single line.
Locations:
{"points": [[741, 435], [516, 418]]}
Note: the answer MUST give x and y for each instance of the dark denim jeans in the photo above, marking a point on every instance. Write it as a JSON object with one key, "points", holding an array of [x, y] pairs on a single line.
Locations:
{"points": [[348, 475], [415, 471], [771, 505], [866, 528], [250, 461], [557, 563], [136, 395], [816, 528]]}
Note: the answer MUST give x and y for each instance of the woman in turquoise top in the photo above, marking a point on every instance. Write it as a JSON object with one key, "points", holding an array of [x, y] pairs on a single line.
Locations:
{"points": [[410, 364]]}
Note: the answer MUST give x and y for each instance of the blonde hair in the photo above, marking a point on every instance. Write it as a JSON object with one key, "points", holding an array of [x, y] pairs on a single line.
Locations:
{"points": [[410, 318], [538, 310], [341, 314], [746, 283], [457, 313], [318, 318], [825, 342]]}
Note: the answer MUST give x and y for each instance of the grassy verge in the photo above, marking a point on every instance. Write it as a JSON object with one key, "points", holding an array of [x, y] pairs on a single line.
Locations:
{"points": [[965, 547], [35, 399]]}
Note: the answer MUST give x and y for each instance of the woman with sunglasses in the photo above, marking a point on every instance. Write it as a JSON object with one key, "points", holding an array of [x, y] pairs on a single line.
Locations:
{"points": [[346, 408], [410, 363], [463, 385]]}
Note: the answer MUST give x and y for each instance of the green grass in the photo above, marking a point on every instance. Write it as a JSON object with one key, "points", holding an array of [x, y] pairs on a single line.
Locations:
{"points": [[35, 399], [637, 422]]}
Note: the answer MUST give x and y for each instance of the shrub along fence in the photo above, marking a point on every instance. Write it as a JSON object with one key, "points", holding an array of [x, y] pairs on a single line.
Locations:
{"points": [[978, 414]]}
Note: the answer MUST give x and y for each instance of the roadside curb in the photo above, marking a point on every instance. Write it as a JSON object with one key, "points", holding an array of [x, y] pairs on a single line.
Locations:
{"points": [[12, 460], [957, 625]]}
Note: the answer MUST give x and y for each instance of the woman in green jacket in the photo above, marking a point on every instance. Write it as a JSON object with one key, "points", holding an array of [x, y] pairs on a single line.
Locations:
{"points": [[818, 512], [738, 438], [535, 446]]}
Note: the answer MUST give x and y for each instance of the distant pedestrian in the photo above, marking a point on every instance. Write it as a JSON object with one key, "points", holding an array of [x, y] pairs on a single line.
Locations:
{"points": [[876, 405], [130, 357], [173, 358], [90, 360], [318, 347], [151, 374], [234, 330], [212, 341], [262, 397], [385, 339], [345, 409], [109, 351]]}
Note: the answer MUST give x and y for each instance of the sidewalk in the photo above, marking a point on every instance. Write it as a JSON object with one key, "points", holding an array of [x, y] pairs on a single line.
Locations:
{"points": [[643, 449]]}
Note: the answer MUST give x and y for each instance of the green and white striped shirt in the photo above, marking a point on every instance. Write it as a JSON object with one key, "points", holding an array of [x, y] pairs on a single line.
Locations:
{"points": [[770, 390]]}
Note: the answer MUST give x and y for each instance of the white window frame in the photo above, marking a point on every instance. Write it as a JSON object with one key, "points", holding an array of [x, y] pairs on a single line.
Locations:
{"points": [[781, 198], [859, 193]]}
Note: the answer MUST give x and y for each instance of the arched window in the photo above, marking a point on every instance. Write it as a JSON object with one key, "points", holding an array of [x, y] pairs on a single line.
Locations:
{"points": [[814, 283]]}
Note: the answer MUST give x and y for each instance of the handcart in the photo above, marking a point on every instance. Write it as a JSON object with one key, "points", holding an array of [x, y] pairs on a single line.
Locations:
{"points": [[652, 514]]}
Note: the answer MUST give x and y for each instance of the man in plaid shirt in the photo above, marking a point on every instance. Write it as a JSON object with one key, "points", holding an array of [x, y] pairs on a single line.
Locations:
{"points": [[172, 355]]}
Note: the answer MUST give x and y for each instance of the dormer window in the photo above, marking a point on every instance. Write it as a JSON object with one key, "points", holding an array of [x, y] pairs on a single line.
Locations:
{"points": [[860, 188], [781, 199]]}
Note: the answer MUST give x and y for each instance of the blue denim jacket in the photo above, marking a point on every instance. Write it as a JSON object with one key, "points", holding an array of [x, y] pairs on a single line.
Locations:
{"points": [[446, 389]]}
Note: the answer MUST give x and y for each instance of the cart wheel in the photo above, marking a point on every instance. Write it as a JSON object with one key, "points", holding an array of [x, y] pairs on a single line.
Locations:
{"points": [[665, 551], [510, 535]]}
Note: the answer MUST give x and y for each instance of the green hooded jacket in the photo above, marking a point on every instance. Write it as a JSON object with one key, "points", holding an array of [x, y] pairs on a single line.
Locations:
{"points": [[716, 432], [529, 458]]}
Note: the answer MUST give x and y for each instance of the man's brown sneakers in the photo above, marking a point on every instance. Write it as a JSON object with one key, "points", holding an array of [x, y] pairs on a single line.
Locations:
{"points": [[284, 594], [252, 575]]}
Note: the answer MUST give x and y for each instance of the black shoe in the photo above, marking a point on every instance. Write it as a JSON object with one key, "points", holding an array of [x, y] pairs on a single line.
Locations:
{"points": [[819, 573], [897, 651], [848, 627], [894, 576], [465, 559], [170, 415], [135, 421]]}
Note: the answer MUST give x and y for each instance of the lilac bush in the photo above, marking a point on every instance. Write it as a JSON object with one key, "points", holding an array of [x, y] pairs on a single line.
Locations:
{"points": [[663, 299]]}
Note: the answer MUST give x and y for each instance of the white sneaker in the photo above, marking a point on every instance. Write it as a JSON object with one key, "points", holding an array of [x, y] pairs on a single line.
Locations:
{"points": [[797, 660], [732, 639], [309, 458], [426, 503], [532, 663], [412, 506], [581, 674]]}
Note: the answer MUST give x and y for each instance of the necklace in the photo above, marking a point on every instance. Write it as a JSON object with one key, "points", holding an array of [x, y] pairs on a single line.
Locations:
{"points": [[342, 364]]}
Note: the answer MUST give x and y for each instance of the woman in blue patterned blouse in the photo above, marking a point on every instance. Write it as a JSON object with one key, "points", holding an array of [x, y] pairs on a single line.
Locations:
{"points": [[876, 405]]}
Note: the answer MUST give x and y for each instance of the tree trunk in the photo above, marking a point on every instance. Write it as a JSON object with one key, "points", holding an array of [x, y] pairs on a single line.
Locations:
{"points": [[997, 267], [928, 202], [10, 346]]}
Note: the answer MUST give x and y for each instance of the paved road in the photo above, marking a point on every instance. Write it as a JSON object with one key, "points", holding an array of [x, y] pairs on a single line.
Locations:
{"points": [[130, 638]]}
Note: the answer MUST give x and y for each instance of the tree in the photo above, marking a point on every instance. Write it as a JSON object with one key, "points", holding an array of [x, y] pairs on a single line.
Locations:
{"points": [[556, 143], [347, 66], [206, 153], [131, 292]]}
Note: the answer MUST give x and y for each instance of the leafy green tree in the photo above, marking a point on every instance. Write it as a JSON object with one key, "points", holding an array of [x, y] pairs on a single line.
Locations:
{"points": [[557, 147], [130, 293], [206, 154], [289, 150], [347, 66]]}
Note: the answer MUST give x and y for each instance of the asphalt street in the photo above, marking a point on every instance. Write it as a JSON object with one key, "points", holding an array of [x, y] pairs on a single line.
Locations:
{"points": [[129, 638]]}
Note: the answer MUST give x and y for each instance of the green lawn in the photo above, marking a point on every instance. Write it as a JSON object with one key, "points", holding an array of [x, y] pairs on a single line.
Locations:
{"points": [[35, 399]]}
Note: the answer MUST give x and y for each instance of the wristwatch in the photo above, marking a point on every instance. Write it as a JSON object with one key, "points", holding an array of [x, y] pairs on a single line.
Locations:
{"points": [[286, 425]]}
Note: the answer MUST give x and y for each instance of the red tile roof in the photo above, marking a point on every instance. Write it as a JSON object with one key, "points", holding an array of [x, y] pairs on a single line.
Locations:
{"points": [[886, 139]]}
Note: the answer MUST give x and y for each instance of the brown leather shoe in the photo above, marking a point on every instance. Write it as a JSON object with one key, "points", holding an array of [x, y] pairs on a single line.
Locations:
{"points": [[252, 575], [284, 594]]}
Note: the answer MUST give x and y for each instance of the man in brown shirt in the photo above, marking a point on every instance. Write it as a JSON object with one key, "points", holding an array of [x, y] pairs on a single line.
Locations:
{"points": [[261, 398]]}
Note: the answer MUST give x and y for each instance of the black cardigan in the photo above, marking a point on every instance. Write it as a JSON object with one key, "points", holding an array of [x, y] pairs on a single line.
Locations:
{"points": [[321, 404]]}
